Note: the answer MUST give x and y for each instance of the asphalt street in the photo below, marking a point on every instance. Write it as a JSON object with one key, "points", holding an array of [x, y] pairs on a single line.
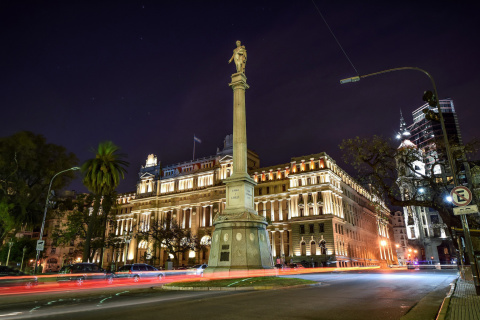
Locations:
{"points": [[379, 294]]}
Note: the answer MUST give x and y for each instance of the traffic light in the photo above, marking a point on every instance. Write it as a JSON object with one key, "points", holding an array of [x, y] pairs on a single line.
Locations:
{"points": [[431, 115], [430, 98]]}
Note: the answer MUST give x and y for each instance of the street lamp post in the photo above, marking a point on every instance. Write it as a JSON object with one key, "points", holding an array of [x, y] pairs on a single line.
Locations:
{"points": [[23, 256], [466, 230], [45, 211], [10, 244]]}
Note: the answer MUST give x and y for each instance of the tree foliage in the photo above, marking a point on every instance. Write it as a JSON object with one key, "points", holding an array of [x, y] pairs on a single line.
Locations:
{"points": [[169, 235], [77, 216], [27, 163], [16, 251], [102, 176], [381, 164]]}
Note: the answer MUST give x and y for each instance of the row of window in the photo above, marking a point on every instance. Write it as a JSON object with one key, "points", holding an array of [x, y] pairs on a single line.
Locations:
{"points": [[272, 189], [311, 228]]}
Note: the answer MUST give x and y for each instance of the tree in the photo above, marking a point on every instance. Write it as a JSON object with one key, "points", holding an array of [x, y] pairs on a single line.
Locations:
{"points": [[77, 216], [102, 175], [168, 234], [27, 163], [381, 165], [16, 252]]}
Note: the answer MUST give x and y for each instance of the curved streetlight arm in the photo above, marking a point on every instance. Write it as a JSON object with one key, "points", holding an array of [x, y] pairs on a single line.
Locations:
{"points": [[48, 197], [451, 162], [444, 131], [45, 211]]}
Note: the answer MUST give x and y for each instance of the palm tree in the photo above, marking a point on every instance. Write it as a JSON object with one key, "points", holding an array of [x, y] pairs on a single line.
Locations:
{"points": [[102, 175]]}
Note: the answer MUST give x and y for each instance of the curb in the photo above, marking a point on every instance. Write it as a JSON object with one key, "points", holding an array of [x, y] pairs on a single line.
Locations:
{"points": [[237, 288], [442, 313]]}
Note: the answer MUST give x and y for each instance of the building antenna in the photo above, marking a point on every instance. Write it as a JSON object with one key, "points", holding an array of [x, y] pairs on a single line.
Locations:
{"points": [[338, 42]]}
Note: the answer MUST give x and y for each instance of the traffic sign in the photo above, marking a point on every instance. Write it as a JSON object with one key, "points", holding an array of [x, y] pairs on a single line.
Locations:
{"points": [[465, 210], [461, 196], [40, 245]]}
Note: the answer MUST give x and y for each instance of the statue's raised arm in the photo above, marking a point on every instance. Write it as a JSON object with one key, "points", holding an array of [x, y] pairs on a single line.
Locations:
{"points": [[240, 57]]}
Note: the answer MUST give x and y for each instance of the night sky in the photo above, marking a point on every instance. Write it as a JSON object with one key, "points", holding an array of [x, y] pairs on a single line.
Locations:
{"points": [[148, 75]]}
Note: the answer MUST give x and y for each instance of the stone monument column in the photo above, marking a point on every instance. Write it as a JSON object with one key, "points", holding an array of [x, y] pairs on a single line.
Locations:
{"points": [[240, 239]]}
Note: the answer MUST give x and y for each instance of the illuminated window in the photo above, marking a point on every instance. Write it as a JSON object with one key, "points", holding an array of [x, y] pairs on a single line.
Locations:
{"points": [[185, 184], [167, 187], [303, 249]]}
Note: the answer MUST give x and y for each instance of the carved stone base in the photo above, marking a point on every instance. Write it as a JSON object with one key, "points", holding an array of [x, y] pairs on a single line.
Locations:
{"points": [[239, 243]]}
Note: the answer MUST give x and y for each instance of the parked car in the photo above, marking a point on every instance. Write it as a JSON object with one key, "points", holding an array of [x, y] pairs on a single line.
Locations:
{"points": [[139, 271], [10, 277], [78, 273], [197, 269], [295, 266]]}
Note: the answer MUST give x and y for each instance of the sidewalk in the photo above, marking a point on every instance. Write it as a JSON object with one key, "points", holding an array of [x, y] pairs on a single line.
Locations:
{"points": [[464, 303]]}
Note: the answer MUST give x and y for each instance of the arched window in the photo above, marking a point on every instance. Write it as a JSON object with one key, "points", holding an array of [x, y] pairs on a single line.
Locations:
{"points": [[303, 249], [313, 248], [323, 247]]}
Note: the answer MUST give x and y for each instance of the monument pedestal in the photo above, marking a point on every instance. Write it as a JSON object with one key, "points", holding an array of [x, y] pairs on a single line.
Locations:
{"points": [[240, 240], [240, 244]]}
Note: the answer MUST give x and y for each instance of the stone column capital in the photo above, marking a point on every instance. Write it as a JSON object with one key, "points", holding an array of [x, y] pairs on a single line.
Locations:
{"points": [[239, 81]]}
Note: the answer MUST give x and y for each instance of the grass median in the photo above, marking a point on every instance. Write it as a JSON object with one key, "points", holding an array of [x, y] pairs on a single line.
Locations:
{"points": [[244, 282]]}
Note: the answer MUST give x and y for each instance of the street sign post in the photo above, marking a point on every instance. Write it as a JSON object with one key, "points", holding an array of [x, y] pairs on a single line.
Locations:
{"points": [[40, 245], [461, 196], [465, 210]]}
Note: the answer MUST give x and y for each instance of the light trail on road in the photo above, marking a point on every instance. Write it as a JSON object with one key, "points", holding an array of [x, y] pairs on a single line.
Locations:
{"points": [[361, 294], [48, 283]]}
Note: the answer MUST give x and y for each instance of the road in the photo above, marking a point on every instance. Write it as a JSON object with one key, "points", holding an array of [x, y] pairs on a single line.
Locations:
{"points": [[378, 294]]}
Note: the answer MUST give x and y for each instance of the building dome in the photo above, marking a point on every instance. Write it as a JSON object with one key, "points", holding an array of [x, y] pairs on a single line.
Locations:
{"points": [[407, 144]]}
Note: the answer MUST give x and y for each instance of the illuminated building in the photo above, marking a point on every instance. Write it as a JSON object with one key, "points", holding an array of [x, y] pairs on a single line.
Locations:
{"points": [[400, 237], [316, 212], [55, 254], [424, 226]]}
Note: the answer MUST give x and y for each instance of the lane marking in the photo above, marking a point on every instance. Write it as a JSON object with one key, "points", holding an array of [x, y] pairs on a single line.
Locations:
{"points": [[10, 314]]}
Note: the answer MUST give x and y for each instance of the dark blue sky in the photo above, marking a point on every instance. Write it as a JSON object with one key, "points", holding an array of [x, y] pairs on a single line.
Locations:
{"points": [[149, 74]]}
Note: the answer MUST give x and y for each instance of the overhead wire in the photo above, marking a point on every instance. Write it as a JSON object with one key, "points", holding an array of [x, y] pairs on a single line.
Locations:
{"points": [[338, 42]]}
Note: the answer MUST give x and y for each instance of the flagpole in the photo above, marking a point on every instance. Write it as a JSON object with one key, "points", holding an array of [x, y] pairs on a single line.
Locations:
{"points": [[193, 147]]}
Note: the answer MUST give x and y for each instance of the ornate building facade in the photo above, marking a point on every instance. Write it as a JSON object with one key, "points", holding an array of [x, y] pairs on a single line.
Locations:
{"points": [[400, 237], [317, 213], [425, 230]]}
